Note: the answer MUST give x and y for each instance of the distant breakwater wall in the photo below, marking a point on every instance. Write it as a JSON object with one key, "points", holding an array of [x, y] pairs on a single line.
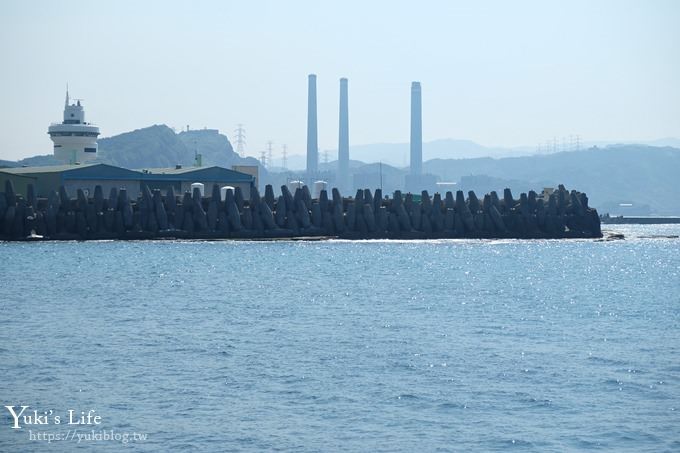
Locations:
{"points": [[366, 216], [643, 220]]}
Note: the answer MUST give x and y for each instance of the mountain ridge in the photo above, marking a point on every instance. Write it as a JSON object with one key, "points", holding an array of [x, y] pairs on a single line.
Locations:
{"points": [[397, 154]]}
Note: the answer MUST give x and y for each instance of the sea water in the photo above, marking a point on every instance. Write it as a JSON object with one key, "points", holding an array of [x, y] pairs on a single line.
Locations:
{"points": [[337, 345]]}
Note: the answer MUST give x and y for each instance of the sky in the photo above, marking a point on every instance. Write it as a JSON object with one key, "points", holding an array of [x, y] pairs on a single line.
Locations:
{"points": [[501, 73]]}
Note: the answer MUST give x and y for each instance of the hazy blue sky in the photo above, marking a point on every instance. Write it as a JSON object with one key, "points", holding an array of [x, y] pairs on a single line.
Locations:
{"points": [[498, 72]]}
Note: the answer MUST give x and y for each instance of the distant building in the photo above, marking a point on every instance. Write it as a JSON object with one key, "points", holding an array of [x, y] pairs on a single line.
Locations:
{"points": [[446, 186], [373, 178], [75, 141], [417, 183], [252, 170], [369, 180]]}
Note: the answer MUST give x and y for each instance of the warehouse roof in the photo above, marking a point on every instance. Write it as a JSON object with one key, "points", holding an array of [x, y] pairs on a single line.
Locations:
{"points": [[43, 169], [85, 171], [105, 171], [194, 173], [2, 171]]}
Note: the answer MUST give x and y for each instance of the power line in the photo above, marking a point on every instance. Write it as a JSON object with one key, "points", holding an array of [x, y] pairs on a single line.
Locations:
{"points": [[566, 143]]}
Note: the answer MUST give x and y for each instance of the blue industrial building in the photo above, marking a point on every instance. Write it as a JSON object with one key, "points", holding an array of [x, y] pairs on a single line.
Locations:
{"points": [[87, 176]]}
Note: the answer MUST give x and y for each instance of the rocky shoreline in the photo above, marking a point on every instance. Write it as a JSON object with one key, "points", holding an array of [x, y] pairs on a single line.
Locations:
{"points": [[367, 215]]}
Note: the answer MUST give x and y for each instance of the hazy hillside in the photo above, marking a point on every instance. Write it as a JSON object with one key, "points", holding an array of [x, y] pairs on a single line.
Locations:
{"points": [[33, 161], [155, 146], [160, 146], [7, 163], [397, 154], [627, 173], [643, 176]]}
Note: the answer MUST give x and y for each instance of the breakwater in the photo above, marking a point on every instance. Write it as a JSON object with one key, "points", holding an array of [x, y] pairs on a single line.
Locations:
{"points": [[367, 215], [640, 220]]}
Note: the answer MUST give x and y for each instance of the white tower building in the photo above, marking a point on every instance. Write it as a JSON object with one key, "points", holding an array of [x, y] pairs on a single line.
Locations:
{"points": [[75, 141]]}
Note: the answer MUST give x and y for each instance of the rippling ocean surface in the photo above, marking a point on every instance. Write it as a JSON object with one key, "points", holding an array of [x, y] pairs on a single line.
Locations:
{"points": [[353, 346]]}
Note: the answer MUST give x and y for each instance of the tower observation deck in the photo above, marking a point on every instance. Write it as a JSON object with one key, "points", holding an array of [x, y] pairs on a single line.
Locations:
{"points": [[75, 141]]}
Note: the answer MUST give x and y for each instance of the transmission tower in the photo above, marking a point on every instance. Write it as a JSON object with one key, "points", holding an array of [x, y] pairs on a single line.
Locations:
{"points": [[269, 152], [325, 157], [240, 137], [263, 158], [284, 159]]}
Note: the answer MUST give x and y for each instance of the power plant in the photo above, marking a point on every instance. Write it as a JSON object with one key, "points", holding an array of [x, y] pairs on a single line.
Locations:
{"points": [[415, 181]]}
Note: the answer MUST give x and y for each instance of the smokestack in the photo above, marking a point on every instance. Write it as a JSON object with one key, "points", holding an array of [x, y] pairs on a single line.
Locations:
{"points": [[416, 130], [343, 139], [312, 141]]}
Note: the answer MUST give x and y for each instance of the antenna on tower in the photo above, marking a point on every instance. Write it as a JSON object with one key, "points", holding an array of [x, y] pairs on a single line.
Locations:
{"points": [[285, 157], [240, 136]]}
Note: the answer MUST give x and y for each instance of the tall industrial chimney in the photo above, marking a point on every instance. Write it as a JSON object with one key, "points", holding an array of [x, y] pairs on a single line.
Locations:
{"points": [[416, 130], [312, 141], [343, 139]]}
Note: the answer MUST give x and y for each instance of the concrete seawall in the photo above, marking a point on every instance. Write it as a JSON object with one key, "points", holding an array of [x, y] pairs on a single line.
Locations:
{"points": [[367, 215]]}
